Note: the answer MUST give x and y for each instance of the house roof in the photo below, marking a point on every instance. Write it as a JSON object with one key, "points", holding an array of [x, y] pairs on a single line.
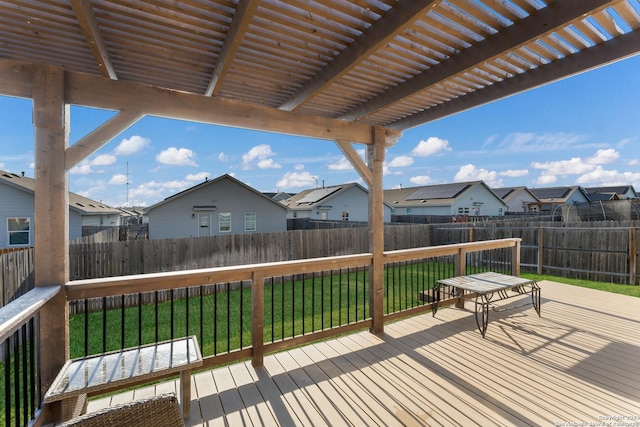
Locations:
{"points": [[393, 63], [507, 193], [318, 197], [431, 195], [206, 183], [619, 190], [81, 204], [557, 194]]}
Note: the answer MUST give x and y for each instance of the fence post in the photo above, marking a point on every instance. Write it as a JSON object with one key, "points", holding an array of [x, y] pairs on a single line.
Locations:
{"points": [[633, 256], [257, 316], [540, 250]]}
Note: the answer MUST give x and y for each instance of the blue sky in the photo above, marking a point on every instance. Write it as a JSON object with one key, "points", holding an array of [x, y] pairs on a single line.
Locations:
{"points": [[584, 130]]}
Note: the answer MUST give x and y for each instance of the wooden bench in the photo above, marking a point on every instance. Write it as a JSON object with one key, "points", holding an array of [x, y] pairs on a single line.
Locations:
{"points": [[487, 288], [118, 369]]}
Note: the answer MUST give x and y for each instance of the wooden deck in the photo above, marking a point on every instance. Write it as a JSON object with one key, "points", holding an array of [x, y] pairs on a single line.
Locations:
{"points": [[579, 362]]}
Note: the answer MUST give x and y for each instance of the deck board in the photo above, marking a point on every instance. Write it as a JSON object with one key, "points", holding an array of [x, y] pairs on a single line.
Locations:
{"points": [[577, 363]]}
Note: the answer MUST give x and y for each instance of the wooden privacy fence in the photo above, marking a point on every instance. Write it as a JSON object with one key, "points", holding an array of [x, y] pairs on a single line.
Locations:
{"points": [[601, 251], [16, 273], [95, 260]]}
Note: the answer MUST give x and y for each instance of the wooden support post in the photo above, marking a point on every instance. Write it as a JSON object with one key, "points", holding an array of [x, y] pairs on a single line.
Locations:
{"points": [[633, 256], [461, 270], [540, 250], [375, 159], [50, 119], [257, 324], [515, 259]]}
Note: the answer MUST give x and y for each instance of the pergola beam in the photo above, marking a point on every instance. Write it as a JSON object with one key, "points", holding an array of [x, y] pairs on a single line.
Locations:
{"points": [[534, 26], [237, 29], [380, 33], [89, 24], [594, 57], [97, 92], [358, 164], [100, 136]]}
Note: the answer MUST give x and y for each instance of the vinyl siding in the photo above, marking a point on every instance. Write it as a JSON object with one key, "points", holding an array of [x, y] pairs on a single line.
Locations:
{"points": [[176, 218]]}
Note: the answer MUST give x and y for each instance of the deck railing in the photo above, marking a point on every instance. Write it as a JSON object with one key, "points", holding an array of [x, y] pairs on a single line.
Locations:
{"points": [[19, 360], [243, 312]]}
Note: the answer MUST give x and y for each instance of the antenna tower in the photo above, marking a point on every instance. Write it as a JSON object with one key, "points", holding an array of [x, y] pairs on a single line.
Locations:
{"points": [[127, 183]]}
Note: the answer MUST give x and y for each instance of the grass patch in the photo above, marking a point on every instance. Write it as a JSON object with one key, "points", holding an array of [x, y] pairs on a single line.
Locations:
{"points": [[629, 290]]}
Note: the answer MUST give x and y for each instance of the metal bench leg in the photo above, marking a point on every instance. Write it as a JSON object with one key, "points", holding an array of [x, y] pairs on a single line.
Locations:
{"points": [[482, 313], [185, 393], [535, 297]]}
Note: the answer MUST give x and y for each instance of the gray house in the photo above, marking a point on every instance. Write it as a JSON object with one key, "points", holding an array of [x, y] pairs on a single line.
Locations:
{"points": [[223, 205], [518, 199], [345, 202], [17, 207], [619, 192], [460, 198], [553, 197]]}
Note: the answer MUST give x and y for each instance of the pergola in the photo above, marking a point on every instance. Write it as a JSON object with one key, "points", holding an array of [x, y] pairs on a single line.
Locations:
{"points": [[351, 71]]}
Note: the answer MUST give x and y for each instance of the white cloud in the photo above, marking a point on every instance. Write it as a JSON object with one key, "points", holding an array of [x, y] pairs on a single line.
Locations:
{"points": [[341, 165], [546, 179], [573, 166], [82, 168], [470, 173], [603, 157], [131, 145], [299, 167], [268, 164], [197, 177], [104, 160], [577, 165], [518, 142], [262, 154], [223, 157], [296, 180], [155, 191], [400, 161], [602, 177], [514, 173], [118, 179], [421, 180], [433, 145], [177, 156]]}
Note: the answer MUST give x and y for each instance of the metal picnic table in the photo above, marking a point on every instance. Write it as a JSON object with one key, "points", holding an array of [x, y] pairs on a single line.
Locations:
{"points": [[487, 288]]}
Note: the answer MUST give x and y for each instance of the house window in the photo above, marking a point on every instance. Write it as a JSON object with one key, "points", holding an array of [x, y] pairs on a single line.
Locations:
{"points": [[224, 220], [463, 211], [409, 211], [19, 231], [249, 221], [345, 215]]}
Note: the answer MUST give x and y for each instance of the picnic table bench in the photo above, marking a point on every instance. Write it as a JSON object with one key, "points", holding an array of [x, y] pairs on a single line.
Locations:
{"points": [[106, 371], [485, 289]]}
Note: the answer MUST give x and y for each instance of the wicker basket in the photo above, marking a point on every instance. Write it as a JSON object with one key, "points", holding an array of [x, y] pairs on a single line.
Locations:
{"points": [[155, 411]]}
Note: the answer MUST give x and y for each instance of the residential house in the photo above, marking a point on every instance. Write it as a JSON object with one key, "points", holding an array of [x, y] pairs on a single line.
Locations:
{"points": [[620, 192], [552, 197], [345, 202], [17, 207], [518, 199], [223, 205], [460, 198]]}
